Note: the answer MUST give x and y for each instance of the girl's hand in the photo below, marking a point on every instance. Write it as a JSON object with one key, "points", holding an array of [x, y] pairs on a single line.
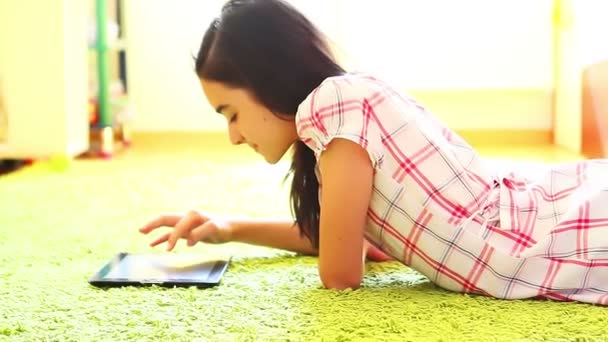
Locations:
{"points": [[193, 227], [375, 254]]}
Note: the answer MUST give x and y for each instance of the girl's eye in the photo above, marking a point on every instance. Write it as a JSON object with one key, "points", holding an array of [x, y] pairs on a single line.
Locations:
{"points": [[233, 118]]}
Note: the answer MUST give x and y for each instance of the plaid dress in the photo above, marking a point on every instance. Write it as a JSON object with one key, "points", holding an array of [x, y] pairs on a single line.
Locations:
{"points": [[438, 208]]}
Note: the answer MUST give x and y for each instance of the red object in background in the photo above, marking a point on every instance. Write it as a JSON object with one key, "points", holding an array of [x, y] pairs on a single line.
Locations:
{"points": [[93, 112], [595, 110]]}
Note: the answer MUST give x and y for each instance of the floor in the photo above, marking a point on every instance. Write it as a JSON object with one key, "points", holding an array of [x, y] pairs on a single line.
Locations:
{"points": [[60, 222]]}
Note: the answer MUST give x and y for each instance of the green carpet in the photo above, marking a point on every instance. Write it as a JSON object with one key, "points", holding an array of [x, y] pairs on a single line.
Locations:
{"points": [[58, 227]]}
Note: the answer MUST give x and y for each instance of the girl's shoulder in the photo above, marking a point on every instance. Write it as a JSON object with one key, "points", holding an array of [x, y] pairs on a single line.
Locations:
{"points": [[341, 89], [345, 106], [358, 82]]}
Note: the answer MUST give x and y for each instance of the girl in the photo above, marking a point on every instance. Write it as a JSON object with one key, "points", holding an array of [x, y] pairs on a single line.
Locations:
{"points": [[374, 173]]}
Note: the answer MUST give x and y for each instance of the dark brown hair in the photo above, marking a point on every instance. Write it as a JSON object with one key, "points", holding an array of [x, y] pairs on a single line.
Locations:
{"points": [[270, 49]]}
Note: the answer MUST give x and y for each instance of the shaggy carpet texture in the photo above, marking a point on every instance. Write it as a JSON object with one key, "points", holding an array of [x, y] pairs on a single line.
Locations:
{"points": [[60, 223]]}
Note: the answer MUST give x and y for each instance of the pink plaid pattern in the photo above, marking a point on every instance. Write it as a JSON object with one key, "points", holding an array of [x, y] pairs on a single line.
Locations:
{"points": [[440, 210]]}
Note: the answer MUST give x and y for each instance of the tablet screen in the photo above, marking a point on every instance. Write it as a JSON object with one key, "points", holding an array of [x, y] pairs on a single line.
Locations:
{"points": [[169, 267]]}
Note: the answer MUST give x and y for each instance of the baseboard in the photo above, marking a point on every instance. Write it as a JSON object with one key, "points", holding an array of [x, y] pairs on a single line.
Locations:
{"points": [[490, 109], [475, 137], [493, 137]]}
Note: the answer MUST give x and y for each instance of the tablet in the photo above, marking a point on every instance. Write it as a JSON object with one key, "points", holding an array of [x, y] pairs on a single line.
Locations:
{"points": [[170, 270]]}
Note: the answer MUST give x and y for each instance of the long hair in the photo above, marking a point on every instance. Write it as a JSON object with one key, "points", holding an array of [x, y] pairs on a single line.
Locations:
{"points": [[270, 49]]}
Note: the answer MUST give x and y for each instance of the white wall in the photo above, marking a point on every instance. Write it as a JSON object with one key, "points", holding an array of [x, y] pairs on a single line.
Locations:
{"points": [[430, 44], [162, 38], [499, 48], [43, 70], [476, 64]]}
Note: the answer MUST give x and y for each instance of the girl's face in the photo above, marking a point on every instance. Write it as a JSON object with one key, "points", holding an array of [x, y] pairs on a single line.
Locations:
{"points": [[251, 123]]}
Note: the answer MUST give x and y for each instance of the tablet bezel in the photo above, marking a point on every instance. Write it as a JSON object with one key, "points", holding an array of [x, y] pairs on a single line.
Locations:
{"points": [[99, 280]]}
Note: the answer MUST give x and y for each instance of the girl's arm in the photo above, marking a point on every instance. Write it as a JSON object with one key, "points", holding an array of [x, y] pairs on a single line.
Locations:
{"points": [[347, 175], [196, 226], [285, 235], [277, 234]]}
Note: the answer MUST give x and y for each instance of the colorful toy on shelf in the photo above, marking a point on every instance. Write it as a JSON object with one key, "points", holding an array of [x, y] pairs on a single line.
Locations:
{"points": [[93, 112], [109, 110]]}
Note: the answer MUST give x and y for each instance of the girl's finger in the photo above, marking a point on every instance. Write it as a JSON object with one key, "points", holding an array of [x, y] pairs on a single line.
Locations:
{"points": [[160, 240], [183, 227], [161, 221], [191, 241]]}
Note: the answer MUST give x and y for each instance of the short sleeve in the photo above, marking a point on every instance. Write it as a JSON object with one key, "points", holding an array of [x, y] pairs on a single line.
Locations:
{"points": [[341, 108]]}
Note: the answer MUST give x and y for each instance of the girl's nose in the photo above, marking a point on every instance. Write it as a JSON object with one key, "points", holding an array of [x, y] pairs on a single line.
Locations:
{"points": [[235, 137]]}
